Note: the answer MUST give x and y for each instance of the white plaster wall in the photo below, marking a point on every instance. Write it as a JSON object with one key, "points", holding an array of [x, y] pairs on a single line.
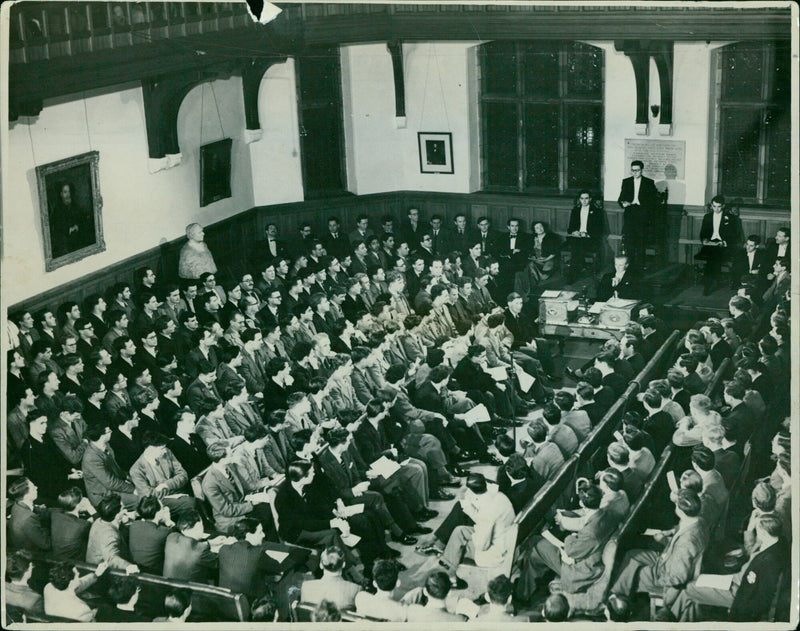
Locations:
{"points": [[275, 159], [140, 209]]}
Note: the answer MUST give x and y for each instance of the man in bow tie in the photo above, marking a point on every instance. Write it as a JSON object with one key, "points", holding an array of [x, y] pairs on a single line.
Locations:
{"points": [[720, 237]]}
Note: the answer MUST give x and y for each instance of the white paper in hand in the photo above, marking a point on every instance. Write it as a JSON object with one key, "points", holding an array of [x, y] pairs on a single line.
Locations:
{"points": [[498, 374], [717, 581], [525, 380], [350, 540], [673, 485], [279, 556], [478, 414], [384, 467], [651, 532], [353, 509], [549, 536]]}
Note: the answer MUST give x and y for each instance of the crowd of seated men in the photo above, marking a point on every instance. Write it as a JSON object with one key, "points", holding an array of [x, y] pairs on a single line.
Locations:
{"points": [[222, 435]]}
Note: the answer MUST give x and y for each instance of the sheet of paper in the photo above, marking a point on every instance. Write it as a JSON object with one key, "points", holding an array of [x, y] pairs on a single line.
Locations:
{"points": [[174, 496], [573, 304], [550, 293], [385, 467], [717, 581], [467, 608], [618, 436], [650, 532], [525, 380], [597, 307], [279, 556], [498, 374], [353, 509], [673, 485], [478, 414], [351, 540], [549, 536]]}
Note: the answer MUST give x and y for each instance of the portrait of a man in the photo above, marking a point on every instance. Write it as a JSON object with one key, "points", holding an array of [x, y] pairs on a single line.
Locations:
{"points": [[70, 206]]}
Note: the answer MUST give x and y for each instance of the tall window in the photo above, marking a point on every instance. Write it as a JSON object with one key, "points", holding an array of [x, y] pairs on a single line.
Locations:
{"points": [[755, 122], [319, 99], [542, 116]]}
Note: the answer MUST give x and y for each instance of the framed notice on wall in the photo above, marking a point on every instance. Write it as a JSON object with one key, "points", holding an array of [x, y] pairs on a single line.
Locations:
{"points": [[435, 152], [215, 171]]}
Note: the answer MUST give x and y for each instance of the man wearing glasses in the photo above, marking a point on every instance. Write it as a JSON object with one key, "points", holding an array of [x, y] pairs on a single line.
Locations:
{"points": [[638, 198]]}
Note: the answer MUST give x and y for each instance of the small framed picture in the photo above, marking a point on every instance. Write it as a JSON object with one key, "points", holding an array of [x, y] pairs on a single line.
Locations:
{"points": [[435, 152], [215, 171], [70, 206]]}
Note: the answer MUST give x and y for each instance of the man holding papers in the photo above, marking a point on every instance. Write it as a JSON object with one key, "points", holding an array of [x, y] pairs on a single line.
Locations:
{"points": [[355, 489], [747, 593], [482, 387], [666, 572], [578, 559], [412, 477], [486, 541]]}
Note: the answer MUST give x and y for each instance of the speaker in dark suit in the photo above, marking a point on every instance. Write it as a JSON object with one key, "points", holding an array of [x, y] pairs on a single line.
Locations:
{"points": [[620, 281], [639, 197], [587, 224]]}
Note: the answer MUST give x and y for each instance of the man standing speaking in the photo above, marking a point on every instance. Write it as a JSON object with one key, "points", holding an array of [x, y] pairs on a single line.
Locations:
{"points": [[639, 198]]}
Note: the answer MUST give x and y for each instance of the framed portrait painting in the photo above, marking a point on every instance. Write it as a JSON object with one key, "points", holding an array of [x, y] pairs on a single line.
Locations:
{"points": [[70, 206], [215, 171], [435, 152]]}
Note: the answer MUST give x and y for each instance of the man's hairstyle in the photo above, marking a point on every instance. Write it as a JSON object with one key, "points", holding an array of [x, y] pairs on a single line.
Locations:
{"points": [[61, 574], [735, 390], [618, 453], [583, 389], [178, 601], [703, 457], [217, 451], [93, 432], [556, 608], [475, 350], [537, 431], [764, 496], [297, 470], [612, 479], [122, 589], [691, 480], [505, 445], [606, 357], [770, 524], [148, 506], [187, 519], [385, 572], [245, 526], [551, 413], [688, 503], [332, 559], [109, 507], [593, 377], [294, 399], [395, 373], [590, 496], [637, 163], [476, 482], [437, 584], [499, 589], [718, 199], [69, 498], [17, 564], [565, 400], [336, 436]]}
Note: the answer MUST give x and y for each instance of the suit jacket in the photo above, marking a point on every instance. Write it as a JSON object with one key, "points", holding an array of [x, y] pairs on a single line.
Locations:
{"points": [[564, 438], [69, 439], [274, 396], [45, 467], [585, 547], [106, 544], [226, 496], [379, 606], [594, 410], [522, 492], [114, 401], [243, 567], [146, 541], [192, 455], [719, 352], [191, 363], [126, 450], [741, 421], [252, 373], [520, 327], [595, 222], [626, 288], [201, 398], [371, 442], [102, 475], [741, 263], [366, 383], [188, 560], [471, 376], [579, 421], [296, 514], [547, 460], [760, 578], [167, 470], [494, 518], [728, 227], [343, 475], [69, 535], [648, 193], [26, 530], [239, 420], [26, 598], [510, 260], [675, 565]]}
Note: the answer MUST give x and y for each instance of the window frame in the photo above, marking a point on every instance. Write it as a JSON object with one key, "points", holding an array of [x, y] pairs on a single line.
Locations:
{"points": [[763, 106], [563, 101], [302, 108]]}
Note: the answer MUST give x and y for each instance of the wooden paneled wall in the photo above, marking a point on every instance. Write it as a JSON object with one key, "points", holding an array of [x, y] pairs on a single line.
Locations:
{"points": [[232, 239]]}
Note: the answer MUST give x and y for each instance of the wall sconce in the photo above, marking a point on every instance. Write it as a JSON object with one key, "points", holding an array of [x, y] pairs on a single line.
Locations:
{"points": [[655, 109]]}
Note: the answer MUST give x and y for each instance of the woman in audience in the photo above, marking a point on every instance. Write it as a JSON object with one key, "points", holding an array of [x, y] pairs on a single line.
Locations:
{"points": [[544, 253]]}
